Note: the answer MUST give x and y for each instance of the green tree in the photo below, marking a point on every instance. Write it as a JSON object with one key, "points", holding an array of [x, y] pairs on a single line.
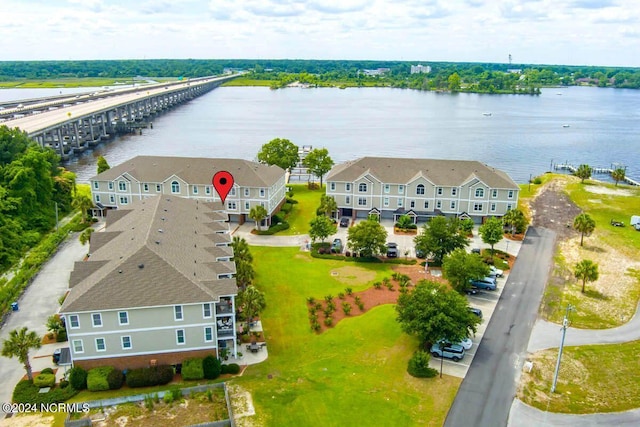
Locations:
{"points": [[454, 82], [460, 267], [431, 312], [328, 205], [318, 162], [491, 232], [252, 302], [85, 236], [13, 143], [368, 238], [321, 227], [280, 152], [83, 203], [583, 172], [258, 213], [587, 271], [515, 220], [102, 165], [55, 325], [584, 224], [618, 175], [466, 225], [18, 344], [404, 222], [440, 237], [244, 262]]}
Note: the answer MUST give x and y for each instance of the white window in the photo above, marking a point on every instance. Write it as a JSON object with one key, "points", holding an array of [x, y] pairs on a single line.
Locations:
{"points": [[386, 202], [74, 321], [96, 318], [454, 191], [180, 336], [145, 187], [438, 204], [347, 200], [97, 198], [362, 201], [426, 204], [494, 193], [332, 186], [477, 207], [177, 312], [510, 194], [509, 207], [247, 192], [158, 188], [96, 185], [77, 346], [439, 191], [387, 188], [111, 186], [232, 192], [123, 318], [175, 187], [247, 206], [126, 342], [400, 189], [493, 207], [207, 190], [400, 202], [420, 189], [195, 189], [232, 206], [112, 199], [262, 192], [124, 200], [347, 186], [479, 192], [412, 204], [362, 187], [100, 344], [452, 205], [206, 310], [122, 186], [208, 334]]}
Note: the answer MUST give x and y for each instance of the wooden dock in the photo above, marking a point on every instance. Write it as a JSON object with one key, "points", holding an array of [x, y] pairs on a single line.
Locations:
{"points": [[594, 170]]}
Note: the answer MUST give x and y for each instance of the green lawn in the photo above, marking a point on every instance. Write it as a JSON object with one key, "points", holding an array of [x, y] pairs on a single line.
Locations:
{"points": [[245, 81], [353, 374], [304, 210], [593, 378]]}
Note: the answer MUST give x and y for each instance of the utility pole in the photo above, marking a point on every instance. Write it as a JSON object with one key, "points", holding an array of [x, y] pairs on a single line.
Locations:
{"points": [[57, 227], [565, 325]]}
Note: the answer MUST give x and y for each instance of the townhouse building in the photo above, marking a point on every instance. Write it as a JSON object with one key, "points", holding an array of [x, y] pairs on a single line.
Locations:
{"points": [[146, 176], [420, 188], [157, 287]]}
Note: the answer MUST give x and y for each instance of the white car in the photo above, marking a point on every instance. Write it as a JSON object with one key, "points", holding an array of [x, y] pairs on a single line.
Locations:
{"points": [[493, 271], [465, 343]]}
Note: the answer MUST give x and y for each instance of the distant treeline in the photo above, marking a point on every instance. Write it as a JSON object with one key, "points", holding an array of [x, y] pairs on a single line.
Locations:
{"points": [[456, 76]]}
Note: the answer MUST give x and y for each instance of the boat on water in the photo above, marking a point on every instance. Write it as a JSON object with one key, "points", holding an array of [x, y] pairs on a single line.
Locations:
{"points": [[486, 114], [565, 126]]}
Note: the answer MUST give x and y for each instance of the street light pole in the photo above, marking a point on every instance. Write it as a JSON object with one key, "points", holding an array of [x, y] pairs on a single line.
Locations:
{"points": [[441, 356], [565, 325], [57, 226]]}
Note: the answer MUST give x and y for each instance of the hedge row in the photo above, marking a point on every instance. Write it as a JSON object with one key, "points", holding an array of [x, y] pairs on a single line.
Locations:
{"points": [[192, 369], [27, 392], [144, 377], [315, 254], [231, 368], [273, 229]]}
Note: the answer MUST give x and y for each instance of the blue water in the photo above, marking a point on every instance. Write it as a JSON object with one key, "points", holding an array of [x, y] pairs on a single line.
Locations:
{"points": [[523, 135]]}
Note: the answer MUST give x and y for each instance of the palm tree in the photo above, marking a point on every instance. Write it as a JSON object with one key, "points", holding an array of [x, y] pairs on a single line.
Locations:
{"points": [[18, 345], [618, 175], [83, 203], [258, 213], [516, 220], [85, 236], [243, 260], [583, 172], [252, 302], [587, 271], [584, 224]]}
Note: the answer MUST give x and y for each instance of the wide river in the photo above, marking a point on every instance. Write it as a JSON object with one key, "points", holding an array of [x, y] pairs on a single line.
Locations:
{"points": [[522, 135]]}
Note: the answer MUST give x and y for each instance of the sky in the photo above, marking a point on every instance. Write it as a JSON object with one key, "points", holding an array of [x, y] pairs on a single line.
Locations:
{"points": [[571, 32]]}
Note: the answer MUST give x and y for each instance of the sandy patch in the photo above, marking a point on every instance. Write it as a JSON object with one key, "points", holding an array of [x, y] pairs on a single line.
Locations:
{"points": [[609, 191], [352, 275], [244, 412], [27, 421]]}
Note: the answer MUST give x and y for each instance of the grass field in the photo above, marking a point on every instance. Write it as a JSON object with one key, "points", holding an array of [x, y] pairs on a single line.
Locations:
{"points": [[304, 210], [594, 378], [245, 81], [353, 374]]}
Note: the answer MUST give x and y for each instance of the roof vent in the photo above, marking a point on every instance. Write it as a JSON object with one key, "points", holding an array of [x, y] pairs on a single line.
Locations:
{"points": [[162, 218], [157, 242], [140, 265], [160, 230], [119, 271]]}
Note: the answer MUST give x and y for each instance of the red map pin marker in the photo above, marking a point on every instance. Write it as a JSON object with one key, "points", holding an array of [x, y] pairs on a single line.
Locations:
{"points": [[223, 182]]}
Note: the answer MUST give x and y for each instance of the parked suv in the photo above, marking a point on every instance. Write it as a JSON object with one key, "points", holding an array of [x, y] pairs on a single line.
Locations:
{"points": [[336, 246], [392, 250], [487, 283], [454, 352], [344, 221]]}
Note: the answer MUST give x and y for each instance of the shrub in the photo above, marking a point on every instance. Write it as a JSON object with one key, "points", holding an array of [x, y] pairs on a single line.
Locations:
{"points": [[341, 295], [467, 225], [419, 365], [27, 392], [360, 305], [168, 398], [328, 321], [44, 380], [315, 326], [273, 229], [346, 307], [311, 300], [64, 384], [349, 291], [211, 367], [233, 368], [144, 377], [192, 369], [286, 208], [78, 378], [61, 336], [537, 180], [377, 285], [97, 378], [115, 378], [176, 393], [389, 286], [47, 371], [328, 298]]}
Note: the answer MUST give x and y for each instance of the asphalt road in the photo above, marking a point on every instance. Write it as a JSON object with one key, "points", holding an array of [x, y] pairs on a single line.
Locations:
{"points": [[486, 393]]}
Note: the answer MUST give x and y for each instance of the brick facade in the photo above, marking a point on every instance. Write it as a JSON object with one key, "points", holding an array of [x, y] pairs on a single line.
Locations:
{"points": [[144, 361]]}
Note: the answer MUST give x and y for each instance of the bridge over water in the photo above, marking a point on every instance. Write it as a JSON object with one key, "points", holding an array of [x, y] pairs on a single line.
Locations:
{"points": [[71, 124]]}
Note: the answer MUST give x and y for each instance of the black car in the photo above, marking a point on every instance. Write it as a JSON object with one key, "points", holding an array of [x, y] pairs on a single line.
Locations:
{"points": [[476, 311], [392, 250], [344, 221]]}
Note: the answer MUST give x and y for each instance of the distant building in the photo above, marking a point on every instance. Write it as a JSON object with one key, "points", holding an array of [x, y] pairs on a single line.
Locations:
{"points": [[420, 188], [515, 70], [375, 72], [416, 69]]}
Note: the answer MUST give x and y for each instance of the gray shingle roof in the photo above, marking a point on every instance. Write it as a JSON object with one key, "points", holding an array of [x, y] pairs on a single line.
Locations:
{"points": [[156, 252], [194, 170], [440, 172]]}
